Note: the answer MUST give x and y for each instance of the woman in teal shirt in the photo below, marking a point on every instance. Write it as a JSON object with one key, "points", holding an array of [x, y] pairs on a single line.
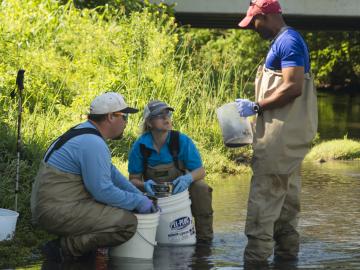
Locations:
{"points": [[163, 155]]}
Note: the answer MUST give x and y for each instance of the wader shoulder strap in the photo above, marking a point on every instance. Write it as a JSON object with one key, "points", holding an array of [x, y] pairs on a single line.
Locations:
{"points": [[174, 147], [145, 152], [71, 133]]}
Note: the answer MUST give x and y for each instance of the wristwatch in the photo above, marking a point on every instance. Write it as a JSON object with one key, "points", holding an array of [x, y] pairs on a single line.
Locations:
{"points": [[257, 108]]}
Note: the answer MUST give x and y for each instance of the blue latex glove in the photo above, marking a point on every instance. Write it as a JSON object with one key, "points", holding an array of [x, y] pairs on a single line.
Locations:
{"points": [[245, 107], [146, 206], [148, 185], [182, 182]]}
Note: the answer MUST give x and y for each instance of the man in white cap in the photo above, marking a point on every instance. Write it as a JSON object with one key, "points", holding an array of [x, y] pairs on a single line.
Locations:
{"points": [[286, 123], [78, 194]]}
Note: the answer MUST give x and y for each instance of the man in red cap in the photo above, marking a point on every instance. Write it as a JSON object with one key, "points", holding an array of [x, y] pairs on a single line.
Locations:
{"points": [[286, 123]]}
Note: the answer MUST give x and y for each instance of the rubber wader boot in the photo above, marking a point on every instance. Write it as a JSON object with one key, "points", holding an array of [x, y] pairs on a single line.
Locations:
{"points": [[204, 229]]}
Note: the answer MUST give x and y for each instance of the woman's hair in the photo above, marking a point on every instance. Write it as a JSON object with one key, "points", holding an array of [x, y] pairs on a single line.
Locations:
{"points": [[145, 126]]}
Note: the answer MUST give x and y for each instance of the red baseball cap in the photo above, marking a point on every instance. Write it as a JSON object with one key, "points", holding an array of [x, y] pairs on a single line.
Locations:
{"points": [[260, 7]]}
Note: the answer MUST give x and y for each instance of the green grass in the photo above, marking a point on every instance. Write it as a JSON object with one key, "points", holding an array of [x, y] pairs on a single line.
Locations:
{"points": [[72, 55], [340, 149]]}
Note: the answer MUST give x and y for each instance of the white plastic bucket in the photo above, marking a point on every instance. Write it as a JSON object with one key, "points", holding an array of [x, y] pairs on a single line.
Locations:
{"points": [[141, 245], [8, 219], [176, 225], [236, 130]]}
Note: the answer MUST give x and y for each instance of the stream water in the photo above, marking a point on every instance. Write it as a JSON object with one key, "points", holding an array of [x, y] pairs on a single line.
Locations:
{"points": [[329, 227], [330, 216]]}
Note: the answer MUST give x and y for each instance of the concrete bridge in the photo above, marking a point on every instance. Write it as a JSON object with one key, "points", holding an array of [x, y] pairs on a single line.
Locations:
{"points": [[302, 14]]}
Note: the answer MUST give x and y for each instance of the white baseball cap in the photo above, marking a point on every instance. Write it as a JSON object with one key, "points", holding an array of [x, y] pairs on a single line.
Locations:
{"points": [[110, 102]]}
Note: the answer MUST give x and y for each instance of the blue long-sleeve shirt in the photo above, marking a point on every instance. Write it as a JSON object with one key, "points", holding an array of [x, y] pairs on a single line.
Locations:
{"points": [[89, 156]]}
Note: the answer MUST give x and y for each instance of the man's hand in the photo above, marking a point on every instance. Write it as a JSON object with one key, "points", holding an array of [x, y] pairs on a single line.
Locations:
{"points": [[245, 107], [146, 206]]}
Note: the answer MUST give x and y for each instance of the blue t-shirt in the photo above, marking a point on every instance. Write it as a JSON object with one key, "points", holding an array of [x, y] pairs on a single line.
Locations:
{"points": [[288, 50], [188, 154], [89, 156]]}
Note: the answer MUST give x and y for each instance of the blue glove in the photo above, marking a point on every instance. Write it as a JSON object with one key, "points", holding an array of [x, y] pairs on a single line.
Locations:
{"points": [[182, 182], [245, 107], [146, 206], [148, 185]]}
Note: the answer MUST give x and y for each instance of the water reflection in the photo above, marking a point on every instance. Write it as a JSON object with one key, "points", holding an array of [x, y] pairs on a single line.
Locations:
{"points": [[339, 115], [130, 264], [329, 228], [185, 257]]}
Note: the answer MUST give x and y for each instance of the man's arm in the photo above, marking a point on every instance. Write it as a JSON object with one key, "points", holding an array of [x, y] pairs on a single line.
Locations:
{"points": [[121, 182], [96, 171], [290, 89]]}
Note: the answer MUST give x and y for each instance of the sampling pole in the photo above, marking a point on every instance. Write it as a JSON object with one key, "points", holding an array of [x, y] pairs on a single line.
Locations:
{"points": [[20, 86]]}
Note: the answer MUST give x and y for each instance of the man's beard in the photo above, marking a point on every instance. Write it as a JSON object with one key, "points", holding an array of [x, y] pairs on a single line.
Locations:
{"points": [[119, 137], [266, 34]]}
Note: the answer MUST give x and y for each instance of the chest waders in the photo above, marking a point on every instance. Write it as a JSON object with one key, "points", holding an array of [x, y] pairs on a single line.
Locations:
{"points": [[61, 205], [200, 192], [281, 140]]}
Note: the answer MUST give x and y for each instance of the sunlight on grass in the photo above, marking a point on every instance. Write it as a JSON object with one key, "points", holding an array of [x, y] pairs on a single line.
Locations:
{"points": [[341, 149]]}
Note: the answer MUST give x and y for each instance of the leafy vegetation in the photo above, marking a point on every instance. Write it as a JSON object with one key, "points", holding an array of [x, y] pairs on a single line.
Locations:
{"points": [[335, 57], [71, 55], [73, 51]]}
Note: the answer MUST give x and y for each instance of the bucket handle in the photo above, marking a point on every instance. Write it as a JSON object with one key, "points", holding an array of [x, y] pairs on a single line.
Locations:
{"points": [[144, 238]]}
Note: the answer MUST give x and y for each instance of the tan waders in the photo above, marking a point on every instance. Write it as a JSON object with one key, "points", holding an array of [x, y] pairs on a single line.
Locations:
{"points": [[61, 205], [200, 196], [281, 141]]}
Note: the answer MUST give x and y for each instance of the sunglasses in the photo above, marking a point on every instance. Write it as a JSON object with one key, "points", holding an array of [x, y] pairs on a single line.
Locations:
{"points": [[163, 115], [253, 3], [125, 116]]}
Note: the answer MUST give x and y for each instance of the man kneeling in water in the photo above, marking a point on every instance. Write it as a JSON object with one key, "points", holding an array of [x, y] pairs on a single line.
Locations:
{"points": [[78, 194]]}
